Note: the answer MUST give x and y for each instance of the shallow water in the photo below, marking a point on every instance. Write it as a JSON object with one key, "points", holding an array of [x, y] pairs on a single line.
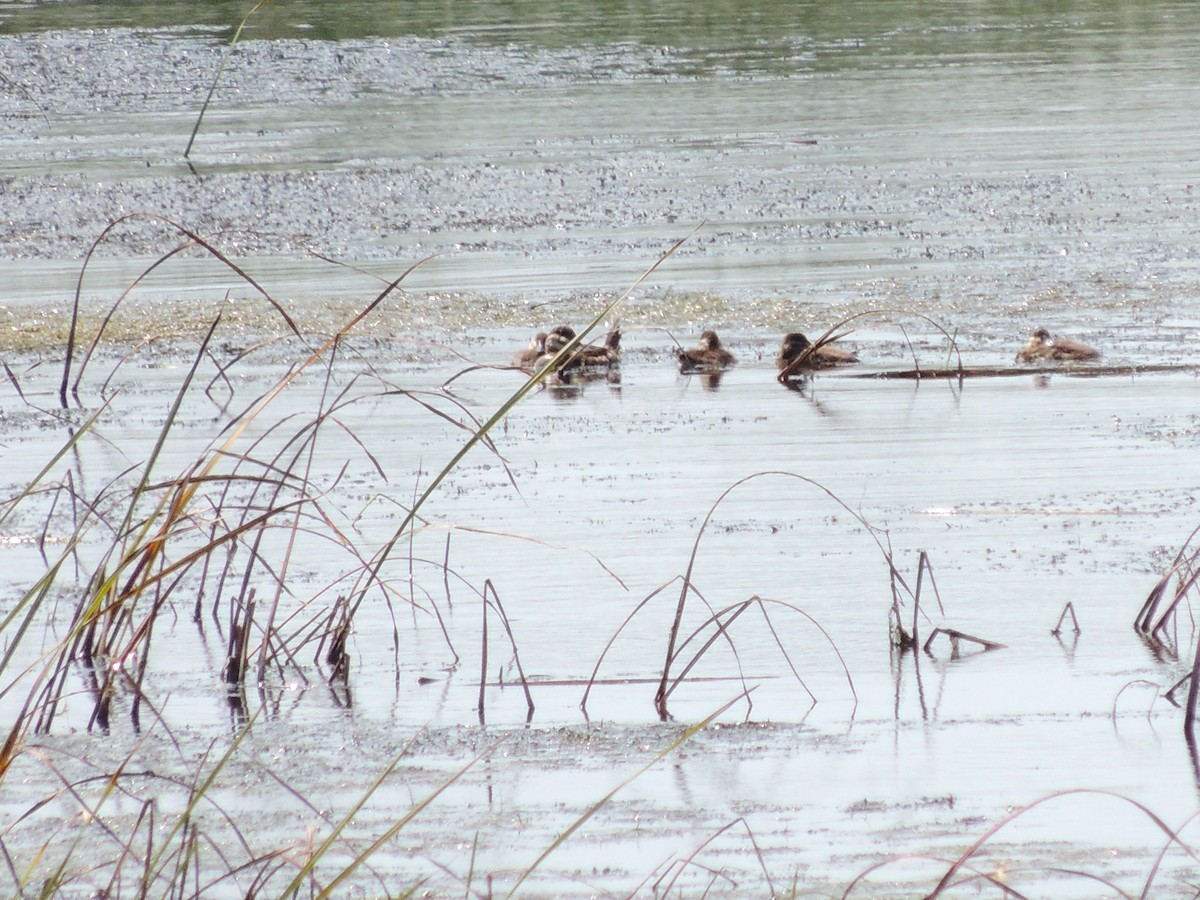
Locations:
{"points": [[988, 169]]}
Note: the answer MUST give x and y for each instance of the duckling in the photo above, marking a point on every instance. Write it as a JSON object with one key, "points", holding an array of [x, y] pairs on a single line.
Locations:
{"points": [[593, 356], [707, 356], [823, 357], [1041, 346], [524, 359], [588, 359], [559, 337]]}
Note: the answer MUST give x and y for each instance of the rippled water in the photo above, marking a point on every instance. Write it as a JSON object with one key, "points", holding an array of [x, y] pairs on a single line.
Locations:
{"points": [[990, 168]]}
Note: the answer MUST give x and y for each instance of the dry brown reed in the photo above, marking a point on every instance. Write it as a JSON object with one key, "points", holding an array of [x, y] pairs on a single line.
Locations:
{"points": [[1153, 618], [676, 667], [1158, 614], [1068, 610], [491, 601]]}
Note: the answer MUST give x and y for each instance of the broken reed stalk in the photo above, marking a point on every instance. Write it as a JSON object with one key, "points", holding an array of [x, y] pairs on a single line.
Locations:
{"points": [[1077, 370], [335, 655], [14, 381], [483, 657], [1169, 693], [491, 599], [906, 640], [957, 637], [446, 572], [1068, 610], [241, 618]]}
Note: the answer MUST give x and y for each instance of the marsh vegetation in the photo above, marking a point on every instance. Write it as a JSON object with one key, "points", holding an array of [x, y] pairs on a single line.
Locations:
{"points": [[309, 591]]}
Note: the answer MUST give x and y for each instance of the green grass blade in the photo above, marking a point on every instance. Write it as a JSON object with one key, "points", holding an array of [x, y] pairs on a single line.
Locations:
{"points": [[217, 77], [293, 888], [603, 801], [54, 460]]}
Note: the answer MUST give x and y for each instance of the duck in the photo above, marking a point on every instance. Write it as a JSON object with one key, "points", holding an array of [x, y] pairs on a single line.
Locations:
{"points": [[525, 359], [707, 356], [559, 337], [596, 356], [1041, 346], [588, 359], [823, 357]]}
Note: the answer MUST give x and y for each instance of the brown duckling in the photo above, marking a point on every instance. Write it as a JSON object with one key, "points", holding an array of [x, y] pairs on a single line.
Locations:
{"points": [[1041, 347], [594, 356], [559, 337], [586, 359], [823, 357], [707, 356], [525, 359]]}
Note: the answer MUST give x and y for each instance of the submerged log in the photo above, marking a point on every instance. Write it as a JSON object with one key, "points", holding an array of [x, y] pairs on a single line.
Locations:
{"points": [[1085, 370]]}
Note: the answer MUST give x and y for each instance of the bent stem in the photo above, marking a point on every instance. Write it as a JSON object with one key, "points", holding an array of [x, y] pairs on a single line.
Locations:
{"points": [[798, 365], [660, 697]]}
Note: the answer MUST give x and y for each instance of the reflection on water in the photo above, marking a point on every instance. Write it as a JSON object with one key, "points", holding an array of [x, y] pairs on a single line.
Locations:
{"points": [[758, 36]]}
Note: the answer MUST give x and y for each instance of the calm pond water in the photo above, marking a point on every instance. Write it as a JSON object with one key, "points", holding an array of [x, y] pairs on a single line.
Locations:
{"points": [[986, 166]]}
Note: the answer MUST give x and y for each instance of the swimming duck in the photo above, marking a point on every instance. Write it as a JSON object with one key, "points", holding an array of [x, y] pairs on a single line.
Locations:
{"points": [[595, 356], [587, 359], [559, 337], [822, 357], [1041, 347], [707, 356], [525, 359]]}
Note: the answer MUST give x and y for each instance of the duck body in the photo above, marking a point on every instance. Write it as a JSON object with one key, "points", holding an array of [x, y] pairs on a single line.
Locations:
{"points": [[825, 356], [525, 359], [543, 347], [588, 360], [559, 337], [1041, 347], [596, 356], [707, 356]]}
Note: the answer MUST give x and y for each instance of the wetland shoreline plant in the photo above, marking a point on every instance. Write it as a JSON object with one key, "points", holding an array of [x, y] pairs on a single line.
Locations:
{"points": [[229, 528], [684, 651]]}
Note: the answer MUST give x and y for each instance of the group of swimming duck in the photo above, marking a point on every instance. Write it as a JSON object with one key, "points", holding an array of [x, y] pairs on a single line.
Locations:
{"points": [[587, 358], [797, 354]]}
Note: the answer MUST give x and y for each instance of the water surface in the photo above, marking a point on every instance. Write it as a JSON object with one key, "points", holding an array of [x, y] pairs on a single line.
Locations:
{"points": [[990, 167]]}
